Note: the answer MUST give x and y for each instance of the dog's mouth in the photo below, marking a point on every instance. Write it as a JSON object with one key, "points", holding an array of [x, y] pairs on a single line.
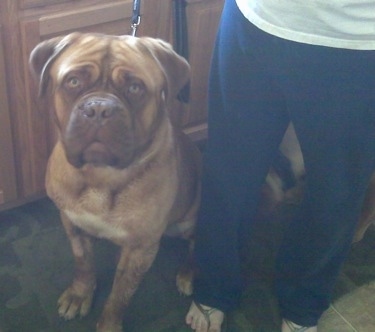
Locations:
{"points": [[98, 155]]}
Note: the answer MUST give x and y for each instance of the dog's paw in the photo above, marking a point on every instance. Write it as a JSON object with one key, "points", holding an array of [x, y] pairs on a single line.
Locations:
{"points": [[75, 302], [108, 325], [184, 282]]}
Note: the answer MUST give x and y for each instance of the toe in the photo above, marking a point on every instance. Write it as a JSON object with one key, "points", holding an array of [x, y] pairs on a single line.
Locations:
{"points": [[201, 319]]}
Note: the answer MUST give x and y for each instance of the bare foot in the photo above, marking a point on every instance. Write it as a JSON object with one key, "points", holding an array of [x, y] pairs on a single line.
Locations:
{"points": [[204, 319], [288, 326]]}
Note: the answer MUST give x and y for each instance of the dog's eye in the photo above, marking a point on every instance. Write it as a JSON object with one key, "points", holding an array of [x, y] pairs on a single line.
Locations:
{"points": [[73, 82], [134, 89], [77, 79]]}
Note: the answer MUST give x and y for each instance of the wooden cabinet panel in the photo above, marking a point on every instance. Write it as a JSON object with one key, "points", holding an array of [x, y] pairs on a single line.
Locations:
{"points": [[110, 18], [203, 19], [25, 4], [8, 186]]}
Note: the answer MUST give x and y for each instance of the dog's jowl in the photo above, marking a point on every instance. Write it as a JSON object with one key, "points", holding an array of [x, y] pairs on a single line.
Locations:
{"points": [[120, 170]]}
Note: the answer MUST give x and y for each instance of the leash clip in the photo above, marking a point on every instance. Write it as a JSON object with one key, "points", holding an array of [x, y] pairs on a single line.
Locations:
{"points": [[135, 25], [136, 17]]}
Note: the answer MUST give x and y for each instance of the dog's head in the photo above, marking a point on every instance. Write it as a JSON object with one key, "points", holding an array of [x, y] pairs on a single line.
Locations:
{"points": [[109, 93]]}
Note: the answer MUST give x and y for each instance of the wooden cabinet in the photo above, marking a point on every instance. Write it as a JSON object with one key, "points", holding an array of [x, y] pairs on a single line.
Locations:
{"points": [[26, 130], [203, 18], [7, 170]]}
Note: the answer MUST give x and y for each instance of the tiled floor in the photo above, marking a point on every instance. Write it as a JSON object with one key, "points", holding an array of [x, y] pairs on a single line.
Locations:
{"points": [[36, 266]]}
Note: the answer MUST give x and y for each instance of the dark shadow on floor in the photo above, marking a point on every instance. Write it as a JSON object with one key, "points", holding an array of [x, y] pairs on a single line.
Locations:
{"points": [[36, 265]]}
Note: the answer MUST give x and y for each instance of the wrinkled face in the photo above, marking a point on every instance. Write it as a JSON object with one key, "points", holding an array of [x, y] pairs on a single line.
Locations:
{"points": [[109, 99]]}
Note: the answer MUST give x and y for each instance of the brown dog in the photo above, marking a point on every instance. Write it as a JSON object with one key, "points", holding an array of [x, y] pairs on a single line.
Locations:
{"points": [[274, 194], [119, 170]]}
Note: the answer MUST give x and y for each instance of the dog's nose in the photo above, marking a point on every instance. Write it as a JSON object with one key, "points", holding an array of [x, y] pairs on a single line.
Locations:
{"points": [[98, 109]]}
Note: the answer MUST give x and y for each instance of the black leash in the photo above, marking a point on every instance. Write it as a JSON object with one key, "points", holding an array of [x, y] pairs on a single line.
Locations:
{"points": [[180, 28], [181, 41], [136, 16]]}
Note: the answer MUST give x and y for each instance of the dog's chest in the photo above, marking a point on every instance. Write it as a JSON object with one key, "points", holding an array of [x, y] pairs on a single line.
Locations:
{"points": [[96, 213], [96, 225], [119, 217], [116, 205]]}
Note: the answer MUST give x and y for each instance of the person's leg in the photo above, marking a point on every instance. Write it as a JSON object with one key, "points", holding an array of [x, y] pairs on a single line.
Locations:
{"points": [[332, 102], [247, 119]]}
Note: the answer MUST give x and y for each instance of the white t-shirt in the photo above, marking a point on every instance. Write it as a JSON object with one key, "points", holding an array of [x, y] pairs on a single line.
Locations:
{"points": [[335, 23]]}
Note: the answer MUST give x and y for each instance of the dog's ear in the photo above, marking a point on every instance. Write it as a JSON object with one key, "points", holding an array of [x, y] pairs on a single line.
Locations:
{"points": [[43, 56], [175, 67]]}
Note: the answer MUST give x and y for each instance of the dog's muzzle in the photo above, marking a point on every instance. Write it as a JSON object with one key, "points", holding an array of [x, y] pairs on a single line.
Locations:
{"points": [[99, 132]]}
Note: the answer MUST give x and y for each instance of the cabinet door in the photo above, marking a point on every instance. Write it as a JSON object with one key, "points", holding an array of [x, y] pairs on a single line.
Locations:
{"points": [[37, 134], [203, 19], [25, 4], [8, 190]]}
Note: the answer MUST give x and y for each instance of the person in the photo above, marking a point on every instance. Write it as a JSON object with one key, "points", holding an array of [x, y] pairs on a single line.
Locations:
{"points": [[311, 63]]}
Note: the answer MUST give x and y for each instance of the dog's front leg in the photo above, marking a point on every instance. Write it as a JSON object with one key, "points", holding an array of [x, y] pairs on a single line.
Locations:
{"points": [[185, 275], [133, 263], [77, 298]]}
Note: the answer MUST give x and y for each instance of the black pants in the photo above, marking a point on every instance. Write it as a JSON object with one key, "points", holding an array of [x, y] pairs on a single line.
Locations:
{"points": [[258, 84]]}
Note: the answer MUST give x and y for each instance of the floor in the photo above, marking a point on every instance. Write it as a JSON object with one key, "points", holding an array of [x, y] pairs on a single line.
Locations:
{"points": [[36, 266]]}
